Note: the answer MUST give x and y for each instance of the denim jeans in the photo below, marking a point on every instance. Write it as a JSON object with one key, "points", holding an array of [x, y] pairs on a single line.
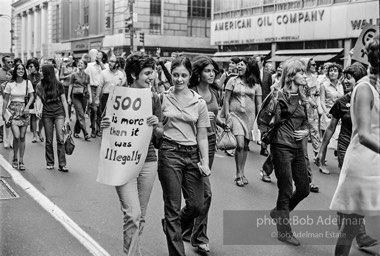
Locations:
{"points": [[268, 164], [289, 165], [195, 231], [80, 102], [94, 111], [49, 124], [178, 171], [134, 197]]}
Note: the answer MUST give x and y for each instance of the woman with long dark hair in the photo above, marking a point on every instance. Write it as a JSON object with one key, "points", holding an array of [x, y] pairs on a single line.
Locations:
{"points": [[54, 114], [17, 91], [242, 98], [287, 150], [34, 76], [134, 195], [184, 145], [203, 82]]}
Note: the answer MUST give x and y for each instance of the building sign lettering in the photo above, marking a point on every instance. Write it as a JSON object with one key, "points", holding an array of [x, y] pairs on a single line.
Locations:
{"points": [[298, 17], [337, 21], [235, 24], [360, 24]]}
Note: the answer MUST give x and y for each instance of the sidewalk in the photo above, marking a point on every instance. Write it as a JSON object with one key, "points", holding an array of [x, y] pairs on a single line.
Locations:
{"points": [[27, 229]]}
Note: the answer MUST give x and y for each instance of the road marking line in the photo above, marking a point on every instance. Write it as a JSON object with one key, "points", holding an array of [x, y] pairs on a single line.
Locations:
{"points": [[54, 210]]}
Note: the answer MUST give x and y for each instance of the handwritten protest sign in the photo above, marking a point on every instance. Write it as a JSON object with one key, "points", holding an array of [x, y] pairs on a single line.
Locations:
{"points": [[367, 34], [125, 143]]}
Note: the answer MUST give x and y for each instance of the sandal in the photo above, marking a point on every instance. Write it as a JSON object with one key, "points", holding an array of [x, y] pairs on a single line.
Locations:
{"points": [[34, 140], [245, 181], [63, 169], [21, 166], [87, 137], [76, 135], [239, 182], [15, 164]]}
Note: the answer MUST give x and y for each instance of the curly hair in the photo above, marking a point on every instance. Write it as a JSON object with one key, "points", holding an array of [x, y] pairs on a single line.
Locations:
{"points": [[373, 52], [334, 65], [199, 63], [137, 62], [357, 70], [35, 63]]}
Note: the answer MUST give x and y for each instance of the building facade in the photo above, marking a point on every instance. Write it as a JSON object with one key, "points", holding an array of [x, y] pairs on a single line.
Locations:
{"points": [[284, 29], [52, 28]]}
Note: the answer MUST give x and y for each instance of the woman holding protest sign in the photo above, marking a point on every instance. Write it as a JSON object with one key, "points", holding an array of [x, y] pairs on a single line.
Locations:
{"points": [[287, 148], [183, 154], [134, 195]]}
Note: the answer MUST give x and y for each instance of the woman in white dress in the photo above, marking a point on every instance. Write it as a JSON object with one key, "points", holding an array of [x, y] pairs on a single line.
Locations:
{"points": [[358, 192]]}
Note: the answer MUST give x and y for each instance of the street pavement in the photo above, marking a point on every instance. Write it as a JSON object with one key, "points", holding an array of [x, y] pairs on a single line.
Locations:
{"points": [[26, 229]]}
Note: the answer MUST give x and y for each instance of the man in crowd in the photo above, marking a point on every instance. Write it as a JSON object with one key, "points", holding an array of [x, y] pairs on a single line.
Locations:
{"points": [[266, 83], [94, 70], [109, 78], [7, 65]]}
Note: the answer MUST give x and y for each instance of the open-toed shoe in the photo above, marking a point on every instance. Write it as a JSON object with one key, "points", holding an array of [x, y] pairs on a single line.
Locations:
{"points": [[239, 182]]}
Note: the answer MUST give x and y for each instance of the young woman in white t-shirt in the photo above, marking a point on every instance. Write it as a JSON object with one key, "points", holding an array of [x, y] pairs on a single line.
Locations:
{"points": [[16, 92]]}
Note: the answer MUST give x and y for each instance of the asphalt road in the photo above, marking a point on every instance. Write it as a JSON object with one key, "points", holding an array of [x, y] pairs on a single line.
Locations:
{"points": [[95, 208]]}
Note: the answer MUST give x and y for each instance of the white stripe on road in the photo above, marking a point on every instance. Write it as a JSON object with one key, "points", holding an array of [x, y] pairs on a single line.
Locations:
{"points": [[54, 210]]}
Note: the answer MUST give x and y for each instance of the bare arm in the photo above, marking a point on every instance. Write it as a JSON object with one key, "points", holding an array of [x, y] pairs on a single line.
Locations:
{"points": [[326, 139], [5, 103], [66, 108], [323, 99], [226, 103], [362, 107], [202, 142]]}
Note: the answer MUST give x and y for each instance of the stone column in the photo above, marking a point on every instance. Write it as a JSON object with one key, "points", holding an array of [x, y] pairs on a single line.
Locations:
{"points": [[23, 35], [36, 29], [29, 30], [44, 38], [17, 35]]}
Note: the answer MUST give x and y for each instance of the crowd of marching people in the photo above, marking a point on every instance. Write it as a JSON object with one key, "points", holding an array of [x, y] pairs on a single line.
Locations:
{"points": [[193, 100]]}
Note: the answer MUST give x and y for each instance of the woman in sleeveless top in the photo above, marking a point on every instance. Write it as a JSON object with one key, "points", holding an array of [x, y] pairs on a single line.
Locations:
{"points": [[358, 191]]}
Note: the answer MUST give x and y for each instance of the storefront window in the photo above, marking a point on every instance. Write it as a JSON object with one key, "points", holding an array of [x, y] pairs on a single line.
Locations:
{"points": [[324, 2]]}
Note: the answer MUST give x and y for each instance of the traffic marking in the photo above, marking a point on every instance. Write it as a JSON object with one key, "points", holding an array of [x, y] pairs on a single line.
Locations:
{"points": [[54, 210]]}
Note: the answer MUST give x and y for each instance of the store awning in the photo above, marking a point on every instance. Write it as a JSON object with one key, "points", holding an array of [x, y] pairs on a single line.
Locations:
{"points": [[324, 57], [221, 59], [241, 53], [279, 58], [310, 51], [298, 57]]}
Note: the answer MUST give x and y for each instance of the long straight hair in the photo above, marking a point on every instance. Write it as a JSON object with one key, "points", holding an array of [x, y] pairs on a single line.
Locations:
{"points": [[289, 70], [252, 73], [49, 83], [199, 63]]}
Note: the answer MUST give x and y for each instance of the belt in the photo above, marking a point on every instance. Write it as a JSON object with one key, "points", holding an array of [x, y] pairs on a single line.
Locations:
{"points": [[180, 146]]}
